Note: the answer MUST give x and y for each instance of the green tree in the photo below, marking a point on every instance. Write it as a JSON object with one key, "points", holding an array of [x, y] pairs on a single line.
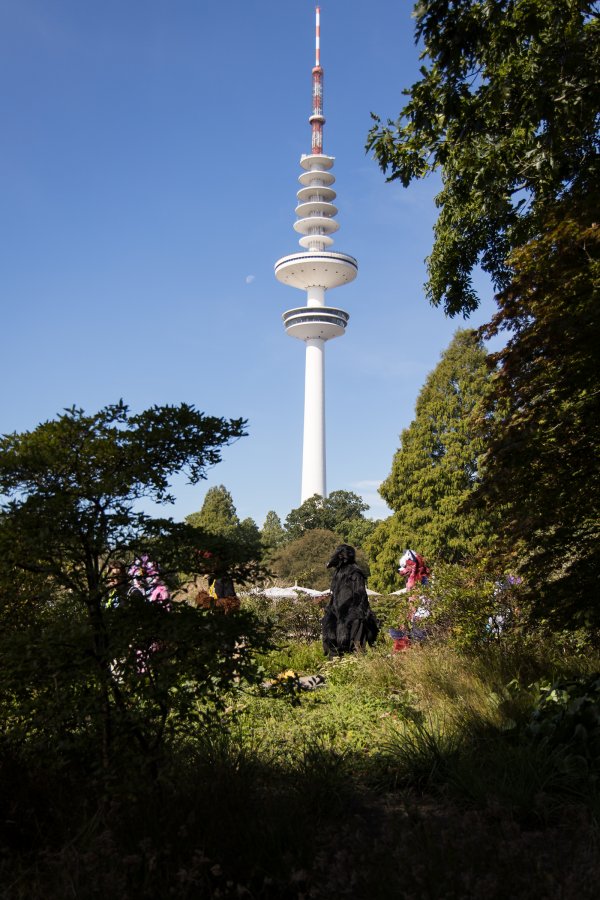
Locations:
{"points": [[218, 512], [70, 491], [272, 534], [541, 463], [240, 540], [436, 468], [507, 109], [339, 512]]}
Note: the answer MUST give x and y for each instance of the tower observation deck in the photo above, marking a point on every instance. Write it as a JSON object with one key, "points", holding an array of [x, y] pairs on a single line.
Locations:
{"points": [[315, 270]]}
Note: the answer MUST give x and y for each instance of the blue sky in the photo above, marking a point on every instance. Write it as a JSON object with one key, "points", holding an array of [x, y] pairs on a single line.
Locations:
{"points": [[148, 174]]}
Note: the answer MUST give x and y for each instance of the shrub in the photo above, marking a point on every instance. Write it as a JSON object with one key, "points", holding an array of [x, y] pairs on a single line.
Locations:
{"points": [[472, 605], [296, 619]]}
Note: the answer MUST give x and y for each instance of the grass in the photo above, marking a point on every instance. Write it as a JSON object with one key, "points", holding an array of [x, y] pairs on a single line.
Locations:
{"points": [[406, 775]]}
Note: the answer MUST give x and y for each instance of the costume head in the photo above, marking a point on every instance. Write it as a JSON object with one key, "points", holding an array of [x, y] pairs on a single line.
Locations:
{"points": [[413, 566], [343, 555], [407, 562]]}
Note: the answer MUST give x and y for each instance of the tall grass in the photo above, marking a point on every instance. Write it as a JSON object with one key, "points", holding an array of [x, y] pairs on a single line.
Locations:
{"points": [[406, 775]]}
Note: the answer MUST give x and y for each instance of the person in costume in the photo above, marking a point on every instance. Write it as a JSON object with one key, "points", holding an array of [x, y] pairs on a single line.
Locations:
{"points": [[416, 571], [348, 622]]}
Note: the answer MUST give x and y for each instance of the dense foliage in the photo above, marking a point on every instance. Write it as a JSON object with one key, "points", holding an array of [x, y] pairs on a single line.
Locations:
{"points": [[290, 619], [341, 511], [272, 534], [304, 560], [139, 781], [541, 464], [218, 511], [425, 773], [507, 110]]}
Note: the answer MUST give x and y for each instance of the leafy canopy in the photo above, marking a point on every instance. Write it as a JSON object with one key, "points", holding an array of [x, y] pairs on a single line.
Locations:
{"points": [[338, 512], [507, 108], [218, 511], [272, 535], [71, 486]]}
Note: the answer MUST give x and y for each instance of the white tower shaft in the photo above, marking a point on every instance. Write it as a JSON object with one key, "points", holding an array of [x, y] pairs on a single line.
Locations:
{"points": [[313, 450]]}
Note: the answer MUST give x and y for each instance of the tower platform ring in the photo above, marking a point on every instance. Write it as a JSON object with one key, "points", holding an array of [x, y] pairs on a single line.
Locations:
{"points": [[323, 224], [315, 322], [325, 269], [317, 178], [316, 162], [316, 242], [309, 208], [306, 194]]}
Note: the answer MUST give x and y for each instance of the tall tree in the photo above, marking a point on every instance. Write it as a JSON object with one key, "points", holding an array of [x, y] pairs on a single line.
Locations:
{"points": [[272, 534], [436, 468], [507, 109]]}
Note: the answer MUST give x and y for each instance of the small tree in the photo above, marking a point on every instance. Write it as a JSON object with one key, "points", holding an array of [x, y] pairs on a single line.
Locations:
{"points": [[239, 540], [218, 511], [272, 534], [70, 489], [305, 560]]}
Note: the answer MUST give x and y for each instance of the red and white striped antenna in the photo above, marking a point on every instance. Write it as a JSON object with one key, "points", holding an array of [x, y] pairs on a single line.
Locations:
{"points": [[317, 119]]}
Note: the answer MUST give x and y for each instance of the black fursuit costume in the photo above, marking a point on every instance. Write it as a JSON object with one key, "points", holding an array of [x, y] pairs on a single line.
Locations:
{"points": [[348, 623]]}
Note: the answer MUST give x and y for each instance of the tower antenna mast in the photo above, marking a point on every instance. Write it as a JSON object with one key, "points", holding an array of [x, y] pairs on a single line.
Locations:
{"points": [[317, 119]]}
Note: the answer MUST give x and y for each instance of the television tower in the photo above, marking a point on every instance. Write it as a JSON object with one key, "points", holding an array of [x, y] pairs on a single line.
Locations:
{"points": [[315, 270]]}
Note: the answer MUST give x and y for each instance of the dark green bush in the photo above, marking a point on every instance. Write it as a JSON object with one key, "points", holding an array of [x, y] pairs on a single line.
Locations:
{"points": [[567, 718]]}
